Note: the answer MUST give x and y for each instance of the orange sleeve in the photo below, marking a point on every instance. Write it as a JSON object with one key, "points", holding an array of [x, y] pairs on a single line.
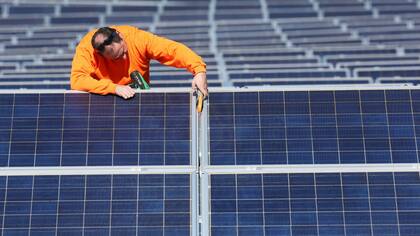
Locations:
{"points": [[81, 79], [172, 53]]}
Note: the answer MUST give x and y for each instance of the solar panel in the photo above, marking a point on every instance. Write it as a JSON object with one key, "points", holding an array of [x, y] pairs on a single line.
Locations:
{"points": [[315, 204], [95, 205], [314, 127], [89, 130]]}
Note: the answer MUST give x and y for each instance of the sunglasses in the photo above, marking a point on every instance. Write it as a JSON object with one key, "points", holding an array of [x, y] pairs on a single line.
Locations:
{"points": [[111, 38]]}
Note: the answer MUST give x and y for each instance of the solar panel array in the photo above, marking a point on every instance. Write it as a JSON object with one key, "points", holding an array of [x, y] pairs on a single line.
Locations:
{"points": [[82, 164]]}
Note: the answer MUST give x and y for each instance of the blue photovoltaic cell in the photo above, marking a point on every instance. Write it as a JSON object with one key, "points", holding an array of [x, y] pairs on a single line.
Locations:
{"points": [[95, 205], [314, 127], [93, 130], [315, 204]]}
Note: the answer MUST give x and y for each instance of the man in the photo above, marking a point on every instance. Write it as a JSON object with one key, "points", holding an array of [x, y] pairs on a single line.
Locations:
{"points": [[105, 58]]}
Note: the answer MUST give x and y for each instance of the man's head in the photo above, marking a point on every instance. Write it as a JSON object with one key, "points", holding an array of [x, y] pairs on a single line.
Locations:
{"points": [[109, 43]]}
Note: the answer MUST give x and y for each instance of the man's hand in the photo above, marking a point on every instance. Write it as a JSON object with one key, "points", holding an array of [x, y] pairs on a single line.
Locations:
{"points": [[125, 91], [200, 82]]}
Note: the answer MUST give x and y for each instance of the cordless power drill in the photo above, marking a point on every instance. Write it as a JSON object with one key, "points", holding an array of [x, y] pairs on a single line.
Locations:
{"points": [[138, 81]]}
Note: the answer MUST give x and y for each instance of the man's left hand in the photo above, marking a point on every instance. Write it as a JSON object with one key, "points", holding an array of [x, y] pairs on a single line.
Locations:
{"points": [[200, 81]]}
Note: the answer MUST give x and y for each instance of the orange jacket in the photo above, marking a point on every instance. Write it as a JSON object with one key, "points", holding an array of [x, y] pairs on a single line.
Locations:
{"points": [[91, 72]]}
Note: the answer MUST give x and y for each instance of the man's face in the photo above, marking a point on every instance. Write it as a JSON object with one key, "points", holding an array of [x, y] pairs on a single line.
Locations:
{"points": [[113, 51]]}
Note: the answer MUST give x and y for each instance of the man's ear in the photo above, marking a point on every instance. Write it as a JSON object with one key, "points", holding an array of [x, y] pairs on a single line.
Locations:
{"points": [[120, 35]]}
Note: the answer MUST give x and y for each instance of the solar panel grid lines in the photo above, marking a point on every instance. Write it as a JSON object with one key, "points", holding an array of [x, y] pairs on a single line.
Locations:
{"points": [[362, 130]]}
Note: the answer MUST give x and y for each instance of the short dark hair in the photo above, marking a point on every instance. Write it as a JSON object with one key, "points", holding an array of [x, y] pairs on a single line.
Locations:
{"points": [[110, 34]]}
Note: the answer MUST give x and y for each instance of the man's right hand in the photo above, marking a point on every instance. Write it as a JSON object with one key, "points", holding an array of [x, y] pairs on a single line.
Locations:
{"points": [[200, 81], [125, 91]]}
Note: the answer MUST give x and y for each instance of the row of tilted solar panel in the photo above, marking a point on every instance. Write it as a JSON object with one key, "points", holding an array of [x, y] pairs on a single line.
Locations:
{"points": [[339, 204], [330, 127], [245, 204]]}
